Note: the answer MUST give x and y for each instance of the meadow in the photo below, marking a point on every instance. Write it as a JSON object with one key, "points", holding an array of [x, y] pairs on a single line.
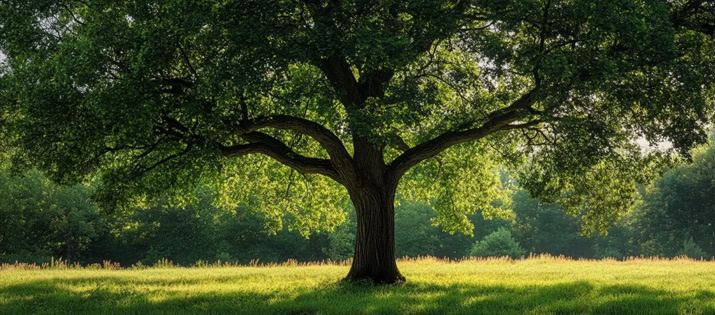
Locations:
{"points": [[537, 285]]}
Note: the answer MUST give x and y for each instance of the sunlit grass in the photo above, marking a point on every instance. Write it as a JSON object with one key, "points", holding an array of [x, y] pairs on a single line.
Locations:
{"points": [[542, 285]]}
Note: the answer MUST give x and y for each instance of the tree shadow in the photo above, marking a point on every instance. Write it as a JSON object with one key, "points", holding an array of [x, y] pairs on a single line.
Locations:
{"points": [[90, 296]]}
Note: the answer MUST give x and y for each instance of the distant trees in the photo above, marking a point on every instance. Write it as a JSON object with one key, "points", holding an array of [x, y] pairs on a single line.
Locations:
{"points": [[416, 235], [680, 205], [40, 220], [547, 229], [691, 249]]}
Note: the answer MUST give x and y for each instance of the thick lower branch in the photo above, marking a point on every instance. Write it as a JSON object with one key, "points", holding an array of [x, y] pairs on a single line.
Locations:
{"points": [[327, 139], [262, 144], [497, 120]]}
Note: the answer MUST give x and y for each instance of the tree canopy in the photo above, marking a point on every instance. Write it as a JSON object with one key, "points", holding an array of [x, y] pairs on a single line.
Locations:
{"points": [[327, 99]]}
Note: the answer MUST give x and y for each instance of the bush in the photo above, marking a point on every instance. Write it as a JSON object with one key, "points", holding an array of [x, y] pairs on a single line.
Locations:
{"points": [[498, 244]]}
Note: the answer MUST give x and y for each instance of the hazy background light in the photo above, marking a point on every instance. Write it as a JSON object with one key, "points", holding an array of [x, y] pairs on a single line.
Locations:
{"points": [[660, 146]]}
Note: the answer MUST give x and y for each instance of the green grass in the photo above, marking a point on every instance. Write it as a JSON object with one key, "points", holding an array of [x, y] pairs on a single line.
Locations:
{"points": [[531, 286]]}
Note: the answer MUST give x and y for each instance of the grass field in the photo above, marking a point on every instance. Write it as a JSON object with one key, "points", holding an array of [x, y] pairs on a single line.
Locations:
{"points": [[531, 286]]}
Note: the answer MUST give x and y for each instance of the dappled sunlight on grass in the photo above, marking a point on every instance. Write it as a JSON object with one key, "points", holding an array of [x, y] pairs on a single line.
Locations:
{"points": [[538, 286]]}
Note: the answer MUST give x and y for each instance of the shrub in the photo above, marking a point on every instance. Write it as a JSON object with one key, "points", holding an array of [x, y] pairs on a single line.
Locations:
{"points": [[498, 244]]}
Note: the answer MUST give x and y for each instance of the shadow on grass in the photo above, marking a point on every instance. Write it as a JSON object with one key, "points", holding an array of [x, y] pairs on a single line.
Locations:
{"points": [[93, 296]]}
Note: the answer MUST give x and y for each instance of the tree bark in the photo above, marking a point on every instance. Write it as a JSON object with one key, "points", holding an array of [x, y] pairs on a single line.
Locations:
{"points": [[374, 258], [372, 192]]}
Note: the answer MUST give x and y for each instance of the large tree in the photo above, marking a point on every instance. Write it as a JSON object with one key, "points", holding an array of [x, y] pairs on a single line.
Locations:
{"points": [[293, 104]]}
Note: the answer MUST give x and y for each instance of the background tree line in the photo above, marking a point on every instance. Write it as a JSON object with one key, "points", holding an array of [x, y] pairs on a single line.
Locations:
{"points": [[40, 220]]}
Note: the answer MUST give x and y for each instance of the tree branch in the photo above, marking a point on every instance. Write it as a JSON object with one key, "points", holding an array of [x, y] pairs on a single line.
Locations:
{"points": [[267, 145], [341, 78], [401, 144], [694, 15], [138, 171], [339, 156], [187, 61], [496, 121]]}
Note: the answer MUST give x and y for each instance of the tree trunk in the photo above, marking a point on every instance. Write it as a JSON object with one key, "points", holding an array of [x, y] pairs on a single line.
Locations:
{"points": [[374, 258]]}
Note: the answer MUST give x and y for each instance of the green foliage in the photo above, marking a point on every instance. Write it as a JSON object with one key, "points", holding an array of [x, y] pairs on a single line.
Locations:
{"points": [[341, 241], [457, 184], [41, 220], [149, 95], [498, 244], [620, 242], [416, 235], [692, 250], [599, 194], [680, 205], [548, 229], [180, 235], [307, 202]]}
